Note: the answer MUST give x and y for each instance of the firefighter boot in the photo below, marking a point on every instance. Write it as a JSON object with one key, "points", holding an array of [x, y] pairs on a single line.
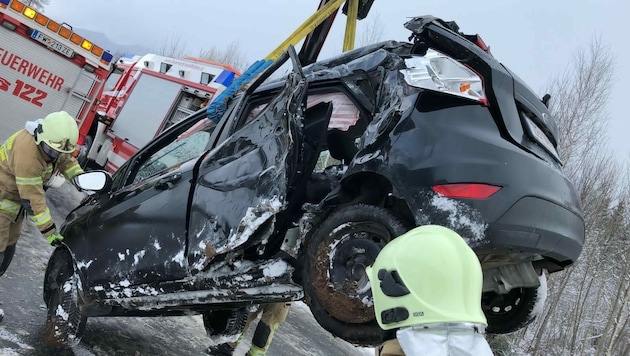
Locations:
{"points": [[5, 260], [220, 350]]}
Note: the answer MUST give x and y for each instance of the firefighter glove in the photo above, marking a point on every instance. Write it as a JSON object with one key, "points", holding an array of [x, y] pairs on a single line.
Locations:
{"points": [[55, 239]]}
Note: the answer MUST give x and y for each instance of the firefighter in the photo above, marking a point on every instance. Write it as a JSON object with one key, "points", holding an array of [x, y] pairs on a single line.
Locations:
{"points": [[427, 284], [273, 314], [27, 161]]}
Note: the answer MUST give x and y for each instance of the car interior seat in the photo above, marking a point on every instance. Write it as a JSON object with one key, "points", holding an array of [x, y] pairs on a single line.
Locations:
{"points": [[342, 149], [316, 120]]}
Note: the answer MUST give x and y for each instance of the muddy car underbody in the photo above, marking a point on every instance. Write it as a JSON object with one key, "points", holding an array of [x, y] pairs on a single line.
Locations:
{"points": [[304, 180]]}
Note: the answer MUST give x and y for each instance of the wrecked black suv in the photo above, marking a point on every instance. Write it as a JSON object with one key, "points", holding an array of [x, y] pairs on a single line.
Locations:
{"points": [[293, 193]]}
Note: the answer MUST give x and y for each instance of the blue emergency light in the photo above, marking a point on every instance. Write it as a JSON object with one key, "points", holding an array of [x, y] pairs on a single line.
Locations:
{"points": [[225, 78], [6, 2], [107, 57]]}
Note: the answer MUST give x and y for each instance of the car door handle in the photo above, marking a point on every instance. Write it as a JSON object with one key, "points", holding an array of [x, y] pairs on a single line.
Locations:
{"points": [[120, 196], [168, 181]]}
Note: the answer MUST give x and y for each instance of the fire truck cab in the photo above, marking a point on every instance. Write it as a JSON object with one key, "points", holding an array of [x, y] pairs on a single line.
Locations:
{"points": [[45, 67], [151, 93]]}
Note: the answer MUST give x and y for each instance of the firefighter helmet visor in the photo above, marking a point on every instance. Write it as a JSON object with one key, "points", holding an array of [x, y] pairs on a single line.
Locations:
{"points": [[52, 153]]}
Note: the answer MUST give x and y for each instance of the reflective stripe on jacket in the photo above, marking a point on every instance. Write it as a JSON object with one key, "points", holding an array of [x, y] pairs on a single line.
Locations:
{"points": [[9, 206], [23, 172]]}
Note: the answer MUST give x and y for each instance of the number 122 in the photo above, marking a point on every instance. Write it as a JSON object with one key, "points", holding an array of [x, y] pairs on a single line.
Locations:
{"points": [[29, 93]]}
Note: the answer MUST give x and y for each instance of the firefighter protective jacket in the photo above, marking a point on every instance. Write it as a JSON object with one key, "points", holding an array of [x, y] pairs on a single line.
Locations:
{"points": [[23, 173]]}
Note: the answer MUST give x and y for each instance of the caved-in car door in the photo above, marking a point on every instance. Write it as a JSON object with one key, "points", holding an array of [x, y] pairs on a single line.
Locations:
{"points": [[242, 183], [138, 233]]}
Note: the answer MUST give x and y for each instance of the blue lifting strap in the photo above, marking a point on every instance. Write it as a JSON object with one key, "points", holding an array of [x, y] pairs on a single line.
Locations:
{"points": [[218, 106]]}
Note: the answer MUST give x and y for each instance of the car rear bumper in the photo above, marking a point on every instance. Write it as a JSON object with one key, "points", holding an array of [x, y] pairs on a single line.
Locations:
{"points": [[535, 225]]}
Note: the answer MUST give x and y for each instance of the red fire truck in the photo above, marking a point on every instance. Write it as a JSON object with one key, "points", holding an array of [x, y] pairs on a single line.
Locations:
{"points": [[45, 67], [145, 96]]}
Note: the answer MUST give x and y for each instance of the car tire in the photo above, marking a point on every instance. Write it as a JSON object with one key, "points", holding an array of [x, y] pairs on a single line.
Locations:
{"points": [[337, 252], [224, 322], [64, 323], [507, 313]]}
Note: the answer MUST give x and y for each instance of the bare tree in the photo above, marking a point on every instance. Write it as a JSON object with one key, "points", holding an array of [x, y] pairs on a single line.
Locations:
{"points": [[172, 46], [37, 4], [582, 94], [232, 55], [371, 32], [613, 340], [589, 310]]}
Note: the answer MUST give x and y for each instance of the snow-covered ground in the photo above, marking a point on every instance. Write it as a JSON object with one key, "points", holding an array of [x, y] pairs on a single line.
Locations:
{"points": [[21, 332]]}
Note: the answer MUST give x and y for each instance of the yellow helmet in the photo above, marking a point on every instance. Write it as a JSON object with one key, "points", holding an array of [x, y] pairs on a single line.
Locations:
{"points": [[428, 275], [59, 131]]}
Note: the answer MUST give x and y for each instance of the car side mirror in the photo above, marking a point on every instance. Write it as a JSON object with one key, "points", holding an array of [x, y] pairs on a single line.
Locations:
{"points": [[94, 180]]}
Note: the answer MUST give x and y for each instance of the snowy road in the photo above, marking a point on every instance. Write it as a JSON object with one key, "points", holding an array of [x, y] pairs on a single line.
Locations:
{"points": [[21, 332]]}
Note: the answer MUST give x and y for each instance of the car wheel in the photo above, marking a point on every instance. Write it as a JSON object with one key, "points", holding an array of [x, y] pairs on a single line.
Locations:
{"points": [[64, 323], [515, 310], [224, 324], [335, 283]]}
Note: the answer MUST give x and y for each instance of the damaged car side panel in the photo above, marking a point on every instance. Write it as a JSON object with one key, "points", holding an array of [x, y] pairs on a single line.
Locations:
{"points": [[242, 184], [418, 139], [142, 244]]}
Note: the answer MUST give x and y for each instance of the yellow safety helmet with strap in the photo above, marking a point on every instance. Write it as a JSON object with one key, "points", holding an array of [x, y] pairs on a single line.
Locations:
{"points": [[59, 131], [428, 275]]}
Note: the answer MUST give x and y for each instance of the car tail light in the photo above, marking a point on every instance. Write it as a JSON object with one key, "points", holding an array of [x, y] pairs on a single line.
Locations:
{"points": [[466, 190], [476, 39], [435, 71]]}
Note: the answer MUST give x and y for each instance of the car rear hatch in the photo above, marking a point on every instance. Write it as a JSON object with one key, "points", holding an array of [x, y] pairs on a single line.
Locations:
{"points": [[522, 117]]}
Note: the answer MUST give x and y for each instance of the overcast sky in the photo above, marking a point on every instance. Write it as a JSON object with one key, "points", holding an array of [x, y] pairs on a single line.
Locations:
{"points": [[536, 39]]}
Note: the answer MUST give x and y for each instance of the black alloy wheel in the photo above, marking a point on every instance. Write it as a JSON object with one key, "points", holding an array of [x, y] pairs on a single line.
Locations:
{"points": [[510, 312]]}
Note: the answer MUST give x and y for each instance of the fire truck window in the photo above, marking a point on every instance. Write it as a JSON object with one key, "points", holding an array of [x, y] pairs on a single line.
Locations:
{"points": [[111, 81], [175, 153]]}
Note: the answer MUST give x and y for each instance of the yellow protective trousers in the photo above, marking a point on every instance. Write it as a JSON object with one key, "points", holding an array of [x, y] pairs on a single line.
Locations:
{"points": [[11, 218], [273, 314]]}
